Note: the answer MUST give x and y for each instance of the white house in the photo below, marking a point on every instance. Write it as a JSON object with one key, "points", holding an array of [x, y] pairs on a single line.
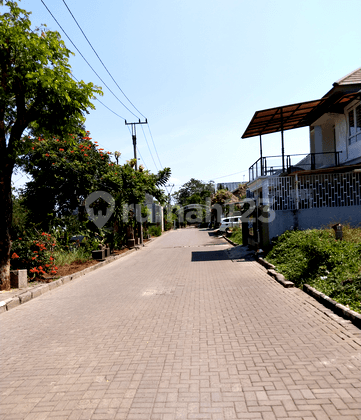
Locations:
{"points": [[324, 187]]}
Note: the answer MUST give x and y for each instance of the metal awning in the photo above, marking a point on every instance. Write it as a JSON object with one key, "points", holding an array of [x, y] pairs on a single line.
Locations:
{"points": [[281, 118], [303, 114]]}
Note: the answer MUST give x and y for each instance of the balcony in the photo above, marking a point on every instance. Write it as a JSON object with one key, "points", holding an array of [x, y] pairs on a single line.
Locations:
{"points": [[275, 165]]}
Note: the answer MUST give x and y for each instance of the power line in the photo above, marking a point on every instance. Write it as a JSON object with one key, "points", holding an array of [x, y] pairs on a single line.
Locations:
{"points": [[97, 99], [104, 82], [142, 159], [87, 61], [101, 60], [154, 146], [110, 109], [149, 148], [236, 173]]}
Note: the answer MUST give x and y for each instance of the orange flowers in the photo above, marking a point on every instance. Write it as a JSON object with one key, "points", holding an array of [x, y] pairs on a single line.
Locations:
{"points": [[15, 255]]}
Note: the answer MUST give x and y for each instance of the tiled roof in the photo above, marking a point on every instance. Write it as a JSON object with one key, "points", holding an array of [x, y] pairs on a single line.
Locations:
{"points": [[350, 79]]}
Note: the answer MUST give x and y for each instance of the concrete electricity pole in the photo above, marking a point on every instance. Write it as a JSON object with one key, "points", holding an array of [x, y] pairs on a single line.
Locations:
{"points": [[134, 138]]}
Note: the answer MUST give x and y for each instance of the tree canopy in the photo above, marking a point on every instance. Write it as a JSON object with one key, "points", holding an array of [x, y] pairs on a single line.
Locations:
{"points": [[37, 92], [194, 192]]}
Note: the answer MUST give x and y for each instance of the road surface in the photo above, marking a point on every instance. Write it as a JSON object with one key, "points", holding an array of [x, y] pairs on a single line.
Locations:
{"points": [[178, 330]]}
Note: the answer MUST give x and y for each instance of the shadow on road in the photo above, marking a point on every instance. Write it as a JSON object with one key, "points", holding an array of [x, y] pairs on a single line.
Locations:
{"points": [[215, 233], [209, 256]]}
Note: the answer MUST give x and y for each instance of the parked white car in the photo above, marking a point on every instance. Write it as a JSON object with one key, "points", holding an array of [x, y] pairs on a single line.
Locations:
{"points": [[229, 222]]}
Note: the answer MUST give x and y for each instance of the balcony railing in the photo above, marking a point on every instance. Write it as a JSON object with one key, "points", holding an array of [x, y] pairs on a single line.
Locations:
{"points": [[264, 167]]}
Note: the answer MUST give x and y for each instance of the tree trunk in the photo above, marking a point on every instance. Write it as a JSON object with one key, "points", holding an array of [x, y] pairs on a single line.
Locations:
{"points": [[5, 226]]}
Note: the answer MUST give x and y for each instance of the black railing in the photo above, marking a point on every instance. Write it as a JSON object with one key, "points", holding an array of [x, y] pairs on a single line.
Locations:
{"points": [[262, 167]]}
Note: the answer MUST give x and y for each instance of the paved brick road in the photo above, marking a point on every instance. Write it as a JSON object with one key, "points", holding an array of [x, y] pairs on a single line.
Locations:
{"points": [[178, 331]]}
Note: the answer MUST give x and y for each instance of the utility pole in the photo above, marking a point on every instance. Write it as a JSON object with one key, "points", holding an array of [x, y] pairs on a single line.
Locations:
{"points": [[169, 199], [134, 138]]}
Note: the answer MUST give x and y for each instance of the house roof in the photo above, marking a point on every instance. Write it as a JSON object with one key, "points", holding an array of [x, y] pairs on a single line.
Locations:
{"points": [[303, 114], [350, 79]]}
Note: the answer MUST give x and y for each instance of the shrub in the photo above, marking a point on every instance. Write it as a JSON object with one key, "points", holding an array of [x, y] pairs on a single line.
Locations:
{"points": [[154, 230], [34, 252], [317, 258], [236, 235]]}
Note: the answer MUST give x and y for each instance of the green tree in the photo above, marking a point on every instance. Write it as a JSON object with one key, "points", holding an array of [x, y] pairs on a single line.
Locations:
{"points": [[194, 192], [63, 174], [36, 91]]}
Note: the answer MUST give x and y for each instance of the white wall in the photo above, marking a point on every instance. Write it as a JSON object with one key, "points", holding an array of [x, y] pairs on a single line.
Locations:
{"points": [[328, 129], [341, 134]]}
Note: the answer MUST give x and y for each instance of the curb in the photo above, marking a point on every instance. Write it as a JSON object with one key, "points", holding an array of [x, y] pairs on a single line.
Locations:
{"points": [[325, 300], [337, 308], [231, 242], [37, 291], [273, 273]]}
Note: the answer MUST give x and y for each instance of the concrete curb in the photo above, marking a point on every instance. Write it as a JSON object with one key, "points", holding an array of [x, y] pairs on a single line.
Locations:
{"points": [[337, 308], [37, 291], [265, 263], [273, 273], [228, 240], [280, 278]]}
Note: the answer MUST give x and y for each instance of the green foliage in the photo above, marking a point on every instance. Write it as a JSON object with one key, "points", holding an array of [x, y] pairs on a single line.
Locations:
{"points": [[74, 255], [236, 235], [315, 257], [38, 83], [38, 93], [64, 172], [154, 230], [34, 252], [194, 192], [20, 219]]}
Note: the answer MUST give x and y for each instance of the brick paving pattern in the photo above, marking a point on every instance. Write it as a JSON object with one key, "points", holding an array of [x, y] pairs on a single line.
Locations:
{"points": [[178, 330]]}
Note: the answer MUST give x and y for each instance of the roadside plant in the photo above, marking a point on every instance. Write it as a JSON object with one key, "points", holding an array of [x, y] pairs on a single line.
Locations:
{"points": [[37, 93], [315, 257], [34, 251]]}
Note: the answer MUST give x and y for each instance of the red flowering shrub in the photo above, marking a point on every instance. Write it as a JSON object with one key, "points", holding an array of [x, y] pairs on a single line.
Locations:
{"points": [[34, 253]]}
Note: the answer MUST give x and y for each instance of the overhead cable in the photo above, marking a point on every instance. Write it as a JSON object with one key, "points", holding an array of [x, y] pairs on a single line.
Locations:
{"points": [[154, 146], [149, 148], [142, 158], [236, 173], [87, 61], [101, 60]]}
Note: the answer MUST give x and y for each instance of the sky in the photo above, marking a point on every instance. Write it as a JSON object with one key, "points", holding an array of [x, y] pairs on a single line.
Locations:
{"points": [[198, 70]]}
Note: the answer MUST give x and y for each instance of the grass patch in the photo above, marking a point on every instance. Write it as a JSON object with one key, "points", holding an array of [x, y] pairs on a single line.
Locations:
{"points": [[68, 257], [316, 258], [236, 235]]}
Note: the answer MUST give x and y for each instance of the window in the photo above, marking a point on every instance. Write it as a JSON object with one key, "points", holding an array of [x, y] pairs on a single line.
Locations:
{"points": [[354, 124]]}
